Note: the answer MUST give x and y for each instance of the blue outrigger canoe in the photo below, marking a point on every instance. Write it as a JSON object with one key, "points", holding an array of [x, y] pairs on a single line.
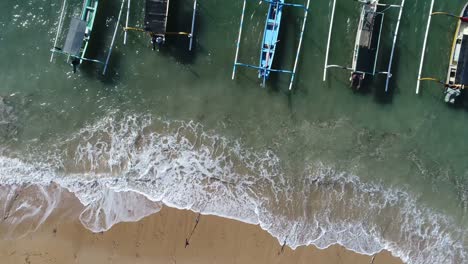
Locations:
{"points": [[270, 38]]}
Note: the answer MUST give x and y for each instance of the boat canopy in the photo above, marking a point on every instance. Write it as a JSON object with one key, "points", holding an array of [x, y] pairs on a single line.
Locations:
{"points": [[75, 37], [156, 16]]}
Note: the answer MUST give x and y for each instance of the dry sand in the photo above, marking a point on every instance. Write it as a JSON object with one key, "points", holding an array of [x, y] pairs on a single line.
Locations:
{"points": [[160, 238]]}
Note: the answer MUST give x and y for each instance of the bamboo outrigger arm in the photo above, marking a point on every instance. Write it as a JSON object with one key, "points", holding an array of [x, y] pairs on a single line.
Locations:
{"points": [[59, 28], [424, 47], [329, 42], [446, 85]]}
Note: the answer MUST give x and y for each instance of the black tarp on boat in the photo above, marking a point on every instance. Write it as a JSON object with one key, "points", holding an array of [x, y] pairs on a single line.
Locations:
{"points": [[75, 37], [156, 16], [369, 42]]}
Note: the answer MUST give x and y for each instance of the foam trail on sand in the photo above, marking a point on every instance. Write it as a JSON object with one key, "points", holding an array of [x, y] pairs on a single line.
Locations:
{"points": [[123, 168]]}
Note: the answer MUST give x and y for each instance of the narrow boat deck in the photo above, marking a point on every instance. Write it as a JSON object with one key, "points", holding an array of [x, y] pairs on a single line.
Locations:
{"points": [[156, 13], [270, 36], [367, 42]]}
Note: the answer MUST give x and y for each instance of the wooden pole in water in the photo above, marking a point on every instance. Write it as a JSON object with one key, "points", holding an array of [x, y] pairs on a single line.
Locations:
{"points": [[238, 40], [389, 71], [328, 42], [59, 28], [113, 38], [193, 24], [424, 47], [126, 22], [306, 12]]}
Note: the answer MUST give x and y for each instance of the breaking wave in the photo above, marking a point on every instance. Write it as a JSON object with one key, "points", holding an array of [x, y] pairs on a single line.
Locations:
{"points": [[121, 161]]}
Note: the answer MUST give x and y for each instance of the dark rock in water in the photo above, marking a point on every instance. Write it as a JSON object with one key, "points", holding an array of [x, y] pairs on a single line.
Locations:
{"points": [[8, 127]]}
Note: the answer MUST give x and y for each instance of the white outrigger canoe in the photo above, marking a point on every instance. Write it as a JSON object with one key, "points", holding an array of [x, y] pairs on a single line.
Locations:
{"points": [[367, 43], [457, 73]]}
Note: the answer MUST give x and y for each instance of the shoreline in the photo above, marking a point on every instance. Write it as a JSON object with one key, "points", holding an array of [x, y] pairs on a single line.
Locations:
{"points": [[162, 237]]}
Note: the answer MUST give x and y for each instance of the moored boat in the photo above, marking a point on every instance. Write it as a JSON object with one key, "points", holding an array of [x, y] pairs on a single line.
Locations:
{"points": [[79, 34], [457, 74]]}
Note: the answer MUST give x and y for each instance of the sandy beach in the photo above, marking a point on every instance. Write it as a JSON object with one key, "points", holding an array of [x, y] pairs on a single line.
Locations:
{"points": [[161, 238]]}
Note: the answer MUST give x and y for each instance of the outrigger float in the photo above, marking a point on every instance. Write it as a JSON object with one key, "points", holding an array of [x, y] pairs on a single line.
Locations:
{"points": [[270, 41], [155, 24], [367, 44], [457, 74], [79, 35]]}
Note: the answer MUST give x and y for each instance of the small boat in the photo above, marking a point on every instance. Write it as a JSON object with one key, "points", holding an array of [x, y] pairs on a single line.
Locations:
{"points": [[270, 41], [155, 22], [79, 34], [270, 37], [367, 42], [457, 73]]}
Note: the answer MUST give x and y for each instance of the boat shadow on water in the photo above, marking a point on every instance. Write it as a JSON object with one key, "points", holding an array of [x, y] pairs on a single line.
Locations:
{"points": [[376, 84], [100, 43], [288, 42], [180, 20]]}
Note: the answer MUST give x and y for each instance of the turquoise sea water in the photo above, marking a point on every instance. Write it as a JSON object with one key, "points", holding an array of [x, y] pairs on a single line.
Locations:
{"points": [[319, 165]]}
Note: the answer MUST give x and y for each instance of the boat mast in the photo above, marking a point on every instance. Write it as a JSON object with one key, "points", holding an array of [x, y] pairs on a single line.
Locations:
{"points": [[126, 22], [113, 38]]}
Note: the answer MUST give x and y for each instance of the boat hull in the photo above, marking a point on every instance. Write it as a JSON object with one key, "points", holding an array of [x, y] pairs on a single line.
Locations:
{"points": [[270, 37]]}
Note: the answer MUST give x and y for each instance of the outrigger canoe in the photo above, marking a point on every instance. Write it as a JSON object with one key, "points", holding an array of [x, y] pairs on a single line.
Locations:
{"points": [[367, 43], [270, 38], [79, 34], [457, 74], [366, 47]]}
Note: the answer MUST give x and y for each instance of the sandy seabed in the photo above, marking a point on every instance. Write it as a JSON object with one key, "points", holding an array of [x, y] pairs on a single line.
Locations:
{"points": [[161, 238]]}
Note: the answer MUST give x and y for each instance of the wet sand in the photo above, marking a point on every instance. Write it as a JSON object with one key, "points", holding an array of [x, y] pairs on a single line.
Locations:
{"points": [[161, 238]]}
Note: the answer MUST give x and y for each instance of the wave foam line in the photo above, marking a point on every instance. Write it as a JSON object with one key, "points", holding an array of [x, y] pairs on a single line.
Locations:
{"points": [[110, 164]]}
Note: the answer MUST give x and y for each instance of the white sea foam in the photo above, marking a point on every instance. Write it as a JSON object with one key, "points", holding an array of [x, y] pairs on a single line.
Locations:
{"points": [[109, 166]]}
